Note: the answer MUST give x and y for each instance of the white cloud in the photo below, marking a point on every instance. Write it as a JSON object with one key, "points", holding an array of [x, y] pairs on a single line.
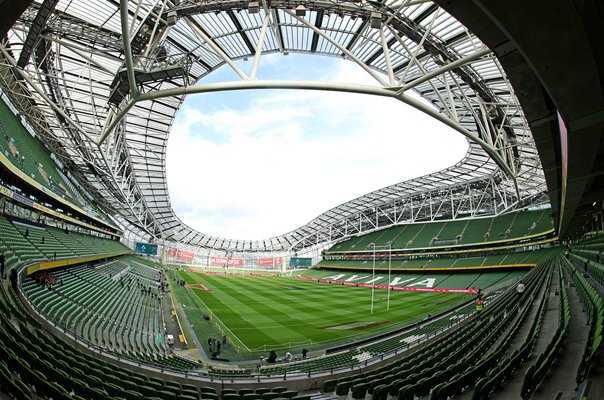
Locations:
{"points": [[282, 158]]}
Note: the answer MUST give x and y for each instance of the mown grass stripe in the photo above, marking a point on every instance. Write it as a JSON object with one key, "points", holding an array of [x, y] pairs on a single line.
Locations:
{"points": [[263, 312], [231, 316]]}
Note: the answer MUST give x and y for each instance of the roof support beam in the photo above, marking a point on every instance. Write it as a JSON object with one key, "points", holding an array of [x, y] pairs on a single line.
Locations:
{"points": [[315, 36], [41, 93], [193, 25], [237, 24], [446, 68], [37, 26], [339, 46], [260, 46], [127, 48]]}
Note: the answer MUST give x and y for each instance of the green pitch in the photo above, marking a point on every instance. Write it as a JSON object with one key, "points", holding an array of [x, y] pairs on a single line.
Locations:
{"points": [[261, 313]]}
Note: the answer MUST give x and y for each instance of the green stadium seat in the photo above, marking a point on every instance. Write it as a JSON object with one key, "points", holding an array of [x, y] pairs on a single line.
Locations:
{"points": [[186, 397], [147, 391], [330, 385], [231, 396], [98, 394], [189, 392], [171, 385], [269, 396], [342, 388], [380, 392], [166, 394], [189, 387], [133, 395], [251, 396], [113, 389], [407, 392], [21, 390], [359, 390]]}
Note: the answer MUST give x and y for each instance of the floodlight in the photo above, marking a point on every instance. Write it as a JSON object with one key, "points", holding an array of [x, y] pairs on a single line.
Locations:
{"points": [[171, 18], [253, 7], [376, 20]]}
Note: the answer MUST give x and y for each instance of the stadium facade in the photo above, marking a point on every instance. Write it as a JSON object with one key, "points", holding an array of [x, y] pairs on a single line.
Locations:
{"points": [[89, 92]]}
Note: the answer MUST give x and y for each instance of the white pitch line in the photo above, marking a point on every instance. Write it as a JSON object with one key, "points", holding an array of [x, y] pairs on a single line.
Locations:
{"points": [[222, 323]]}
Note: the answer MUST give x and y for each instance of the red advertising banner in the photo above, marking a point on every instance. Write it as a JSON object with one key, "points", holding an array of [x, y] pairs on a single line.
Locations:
{"points": [[185, 255], [224, 261], [414, 289], [226, 273], [269, 261]]}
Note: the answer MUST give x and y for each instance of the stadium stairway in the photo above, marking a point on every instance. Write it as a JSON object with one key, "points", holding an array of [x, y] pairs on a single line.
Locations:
{"points": [[559, 343], [321, 396], [481, 379], [545, 313], [559, 380], [589, 275]]}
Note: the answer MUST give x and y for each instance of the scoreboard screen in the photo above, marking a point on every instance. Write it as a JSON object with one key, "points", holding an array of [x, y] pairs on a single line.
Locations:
{"points": [[145, 248], [300, 262]]}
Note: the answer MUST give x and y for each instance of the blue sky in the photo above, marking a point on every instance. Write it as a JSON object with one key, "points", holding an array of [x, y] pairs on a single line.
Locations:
{"points": [[259, 163]]}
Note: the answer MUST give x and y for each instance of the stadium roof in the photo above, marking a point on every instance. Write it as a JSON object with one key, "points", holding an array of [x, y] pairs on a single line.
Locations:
{"points": [[107, 78]]}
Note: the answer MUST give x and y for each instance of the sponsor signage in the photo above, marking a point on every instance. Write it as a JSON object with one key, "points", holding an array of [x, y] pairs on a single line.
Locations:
{"points": [[226, 262], [185, 255], [269, 261], [181, 254], [226, 273]]}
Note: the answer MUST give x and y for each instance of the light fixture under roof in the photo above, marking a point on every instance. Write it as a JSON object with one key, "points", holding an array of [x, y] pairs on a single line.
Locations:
{"points": [[300, 10], [171, 18], [253, 7], [376, 20]]}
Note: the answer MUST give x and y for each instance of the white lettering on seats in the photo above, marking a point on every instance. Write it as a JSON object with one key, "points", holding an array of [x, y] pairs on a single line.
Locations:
{"points": [[396, 281], [428, 282], [356, 278], [411, 339]]}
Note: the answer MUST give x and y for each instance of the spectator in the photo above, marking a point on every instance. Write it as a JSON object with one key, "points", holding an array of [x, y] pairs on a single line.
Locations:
{"points": [[46, 279], [2, 261], [520, 289], [288, 356], [304, 353], [479, 305], [272, 356]]}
